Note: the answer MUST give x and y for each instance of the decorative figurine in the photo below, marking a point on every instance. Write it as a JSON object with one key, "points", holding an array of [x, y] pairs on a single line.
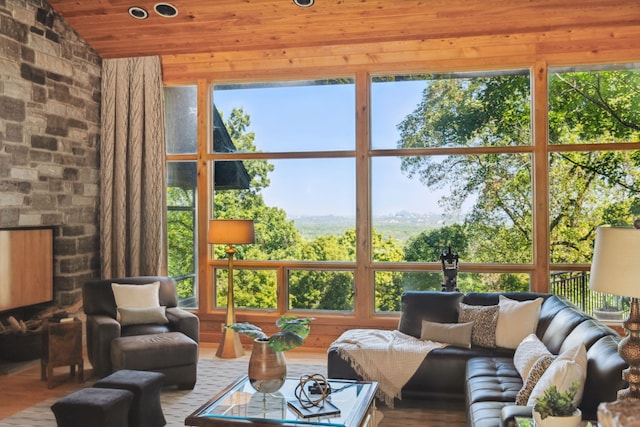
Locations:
{"points": [[450, 269]]}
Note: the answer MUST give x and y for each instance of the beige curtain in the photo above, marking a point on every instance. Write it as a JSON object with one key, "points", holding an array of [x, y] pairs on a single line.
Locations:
{"points": [[132, 167]]}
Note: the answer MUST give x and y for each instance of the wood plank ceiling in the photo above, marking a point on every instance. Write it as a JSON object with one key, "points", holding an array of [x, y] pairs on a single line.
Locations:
{"points": [[241, 25]]}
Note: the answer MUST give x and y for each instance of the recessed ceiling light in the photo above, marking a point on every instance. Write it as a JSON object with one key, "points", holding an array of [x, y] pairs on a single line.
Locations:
{"points": [[165, 9], [138, 12], [304, 3]]}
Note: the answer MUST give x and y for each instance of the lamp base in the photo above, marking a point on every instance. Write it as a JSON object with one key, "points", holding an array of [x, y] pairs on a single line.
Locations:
{"points": [[629, 349], [230, 346]]}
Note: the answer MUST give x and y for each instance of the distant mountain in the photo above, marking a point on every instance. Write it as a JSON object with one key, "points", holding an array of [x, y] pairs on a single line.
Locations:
{"points": [[399, 226]]}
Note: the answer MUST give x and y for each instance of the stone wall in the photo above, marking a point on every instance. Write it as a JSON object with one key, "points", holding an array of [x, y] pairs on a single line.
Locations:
{"points": [[49, 136]]}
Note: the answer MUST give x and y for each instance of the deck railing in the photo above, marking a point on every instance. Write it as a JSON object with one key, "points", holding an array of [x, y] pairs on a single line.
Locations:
{"points": [[574, 285]]}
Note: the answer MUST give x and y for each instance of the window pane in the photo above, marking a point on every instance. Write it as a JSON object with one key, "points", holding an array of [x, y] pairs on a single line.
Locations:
{"points": [[391, 285], [182, 182], [251, 288], [285, 117], [451, 110], [181, 119], [321, 290], [302, 209], [594, 106], [479, 205], [587, 189]]}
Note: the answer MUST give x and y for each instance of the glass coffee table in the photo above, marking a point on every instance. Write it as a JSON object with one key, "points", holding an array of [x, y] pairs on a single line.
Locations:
{"points": [[240, 404]]}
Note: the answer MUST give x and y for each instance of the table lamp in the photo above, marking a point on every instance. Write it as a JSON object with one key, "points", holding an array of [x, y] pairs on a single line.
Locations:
{"points": [[230, 232], [615, 269]]}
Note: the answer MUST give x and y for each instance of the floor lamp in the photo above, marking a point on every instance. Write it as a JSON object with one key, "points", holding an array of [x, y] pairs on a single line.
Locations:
{"points": [[615, 269], [230, 232]]}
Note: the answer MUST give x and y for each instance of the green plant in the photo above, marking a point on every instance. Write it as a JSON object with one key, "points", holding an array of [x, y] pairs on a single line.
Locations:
{"points": [[292, 333], [554, 403]]}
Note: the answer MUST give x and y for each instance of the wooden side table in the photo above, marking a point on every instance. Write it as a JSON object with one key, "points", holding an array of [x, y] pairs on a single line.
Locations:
{"points": [[61, 346]]}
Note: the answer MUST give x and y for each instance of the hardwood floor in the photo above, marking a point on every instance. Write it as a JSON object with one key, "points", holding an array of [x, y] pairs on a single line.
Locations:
{"points": [[23, 389]]}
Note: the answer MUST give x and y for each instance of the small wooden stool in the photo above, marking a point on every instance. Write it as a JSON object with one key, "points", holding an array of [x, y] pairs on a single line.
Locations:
{"points": [[61, 346]]}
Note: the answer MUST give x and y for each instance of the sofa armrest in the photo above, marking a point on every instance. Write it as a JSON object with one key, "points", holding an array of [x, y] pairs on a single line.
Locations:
{"points": [[101, 330], [510, 412], [184, 321]]}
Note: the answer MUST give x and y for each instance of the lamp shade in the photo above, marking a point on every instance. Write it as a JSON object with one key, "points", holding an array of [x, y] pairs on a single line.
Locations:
{"points": [[231, 231], [615, 268]]}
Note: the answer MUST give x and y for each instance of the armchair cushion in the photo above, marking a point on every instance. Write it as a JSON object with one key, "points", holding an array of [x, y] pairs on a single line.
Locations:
{"points": [[136, 296], [137, 316]]}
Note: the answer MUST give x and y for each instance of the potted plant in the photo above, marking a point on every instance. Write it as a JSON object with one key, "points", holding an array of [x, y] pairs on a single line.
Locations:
{"points": [[556, 408], [292, 333], [267, 366]]}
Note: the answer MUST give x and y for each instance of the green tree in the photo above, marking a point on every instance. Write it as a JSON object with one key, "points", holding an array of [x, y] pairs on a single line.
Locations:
{"points": [[588, 189]]}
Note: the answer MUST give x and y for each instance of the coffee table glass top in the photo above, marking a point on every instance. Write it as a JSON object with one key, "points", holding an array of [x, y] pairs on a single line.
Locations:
{"points": [[241, 403]]}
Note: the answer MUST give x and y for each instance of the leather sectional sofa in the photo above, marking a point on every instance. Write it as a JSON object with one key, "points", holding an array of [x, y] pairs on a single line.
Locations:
{"points": [[486, 378]]}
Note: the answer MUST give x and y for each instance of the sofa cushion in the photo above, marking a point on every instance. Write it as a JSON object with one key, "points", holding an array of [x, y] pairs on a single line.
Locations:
{"points": [[561, 326], [567, 368], [527, 353], [138, 316], [534, 374], [458, 334], [428, 305], [548, 311], [484, 320], [516, 320], [604, 378], [585, 333]]}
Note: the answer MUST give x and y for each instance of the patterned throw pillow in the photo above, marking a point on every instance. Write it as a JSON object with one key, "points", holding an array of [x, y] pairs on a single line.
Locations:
{"points": [[535, 373], [484, 320], [527, 353]]}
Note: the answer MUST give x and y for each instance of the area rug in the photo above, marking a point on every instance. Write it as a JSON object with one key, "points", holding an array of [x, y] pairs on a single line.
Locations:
{"points": [[213, 376]]}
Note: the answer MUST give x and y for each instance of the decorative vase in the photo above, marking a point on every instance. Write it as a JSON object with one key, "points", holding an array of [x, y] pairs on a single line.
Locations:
{"points": [[267, 367], [566, 421]]}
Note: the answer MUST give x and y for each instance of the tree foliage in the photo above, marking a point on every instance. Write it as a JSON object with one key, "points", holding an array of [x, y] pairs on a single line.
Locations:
{"points": [[587, 189]]}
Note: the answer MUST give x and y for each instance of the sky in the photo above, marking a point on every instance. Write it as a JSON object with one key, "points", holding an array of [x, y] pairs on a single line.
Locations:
{"points": [[306, 118]]}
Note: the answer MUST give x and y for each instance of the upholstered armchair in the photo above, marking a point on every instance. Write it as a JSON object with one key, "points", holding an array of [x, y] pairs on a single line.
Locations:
{"points": [[105, 322]]}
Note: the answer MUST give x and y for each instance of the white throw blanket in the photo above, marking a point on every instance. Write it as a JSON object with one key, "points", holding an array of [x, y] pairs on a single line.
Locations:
{"points": [[388, 357]]}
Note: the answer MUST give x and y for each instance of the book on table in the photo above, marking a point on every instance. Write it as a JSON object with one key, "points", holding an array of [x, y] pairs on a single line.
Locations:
{"points": [[307, 411]]}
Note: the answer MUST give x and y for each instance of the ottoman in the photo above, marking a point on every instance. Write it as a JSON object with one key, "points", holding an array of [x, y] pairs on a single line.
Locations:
{"points": [[145, 410], [173, 353], [94, 407]]}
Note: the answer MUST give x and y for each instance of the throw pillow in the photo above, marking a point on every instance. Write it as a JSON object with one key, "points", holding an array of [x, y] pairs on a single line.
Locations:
{"points": [[569, 367], [141, 316], [539, 367], [484, 320], [457, 334], [137, 296], [527, 353], [516, 320]]}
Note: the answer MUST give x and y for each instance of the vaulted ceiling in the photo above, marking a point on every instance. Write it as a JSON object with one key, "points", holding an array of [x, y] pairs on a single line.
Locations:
{"points": [[237, 25]]}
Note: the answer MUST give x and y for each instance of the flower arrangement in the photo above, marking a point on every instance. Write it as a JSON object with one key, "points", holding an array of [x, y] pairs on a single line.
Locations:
{"points": [[293, 332]]}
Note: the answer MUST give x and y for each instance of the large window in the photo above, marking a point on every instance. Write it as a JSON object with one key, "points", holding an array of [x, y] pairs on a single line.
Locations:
{"points": [[350, 205]]}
